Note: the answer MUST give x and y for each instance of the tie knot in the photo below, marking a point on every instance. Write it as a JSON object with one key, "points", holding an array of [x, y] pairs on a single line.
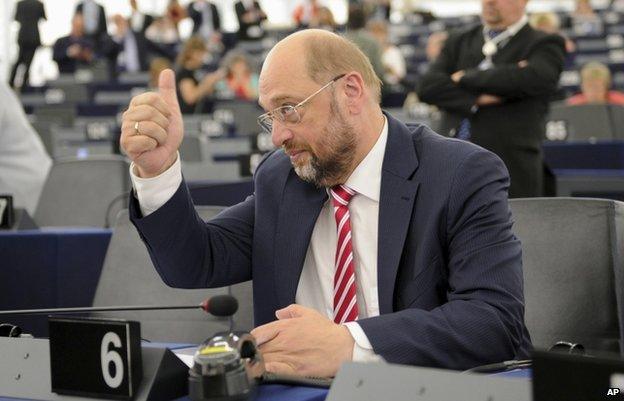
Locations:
{"points": [[341, 195], [492, 33]]}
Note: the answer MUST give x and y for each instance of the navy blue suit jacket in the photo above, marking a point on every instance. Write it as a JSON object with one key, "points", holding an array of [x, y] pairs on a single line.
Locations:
{"points": [[449, 267]]}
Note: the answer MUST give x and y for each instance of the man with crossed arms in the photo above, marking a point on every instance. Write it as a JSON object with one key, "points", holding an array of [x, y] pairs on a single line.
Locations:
{"points": [[365, 238]]}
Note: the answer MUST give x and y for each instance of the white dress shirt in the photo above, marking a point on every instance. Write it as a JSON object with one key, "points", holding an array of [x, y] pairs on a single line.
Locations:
{"points": [[207, 28], [137, 20], [91, 13], [316, 288], [24, 161]]}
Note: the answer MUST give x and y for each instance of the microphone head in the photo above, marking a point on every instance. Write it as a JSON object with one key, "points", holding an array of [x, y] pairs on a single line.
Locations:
{"points": [[220, 305]]}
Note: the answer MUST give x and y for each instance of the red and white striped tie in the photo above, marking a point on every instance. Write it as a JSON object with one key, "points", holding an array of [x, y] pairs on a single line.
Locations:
{"points": [[345, 304]]}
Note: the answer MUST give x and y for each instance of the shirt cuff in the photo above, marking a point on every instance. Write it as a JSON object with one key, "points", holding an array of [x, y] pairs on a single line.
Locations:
{"points": [[362, 349], [154, 192]]}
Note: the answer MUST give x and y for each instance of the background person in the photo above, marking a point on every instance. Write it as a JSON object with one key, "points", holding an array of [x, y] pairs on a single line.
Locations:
{"points": [[494, 82], [192, 91], [240, 81], [75, 50], [24, 162], [596, 87], [28, 13]]}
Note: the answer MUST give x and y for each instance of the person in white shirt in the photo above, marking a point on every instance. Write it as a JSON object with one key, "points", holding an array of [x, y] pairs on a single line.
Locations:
{"points": [[391, 57], [364, 238], [24, 162]]}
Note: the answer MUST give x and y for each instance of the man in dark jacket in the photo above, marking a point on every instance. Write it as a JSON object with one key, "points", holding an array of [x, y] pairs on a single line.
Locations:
{"points": [[250, 17], [493, 82], [28, 13], [95, 27], [74, 50], [206, 21]]}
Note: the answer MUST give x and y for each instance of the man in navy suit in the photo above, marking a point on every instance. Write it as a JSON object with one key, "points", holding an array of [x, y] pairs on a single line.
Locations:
{"points": [[365, 238]]}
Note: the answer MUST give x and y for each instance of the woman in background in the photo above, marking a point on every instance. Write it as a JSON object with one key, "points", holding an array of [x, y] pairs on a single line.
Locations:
{"points": [[191, 90], [324, 19], [240, 82], [595, 87]]}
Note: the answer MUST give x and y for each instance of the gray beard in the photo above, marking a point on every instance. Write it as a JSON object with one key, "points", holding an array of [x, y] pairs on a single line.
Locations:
{"points": [[339, 139]]}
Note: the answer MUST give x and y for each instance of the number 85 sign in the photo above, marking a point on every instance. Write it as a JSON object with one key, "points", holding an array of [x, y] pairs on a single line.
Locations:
{"points": [[95, 357]]}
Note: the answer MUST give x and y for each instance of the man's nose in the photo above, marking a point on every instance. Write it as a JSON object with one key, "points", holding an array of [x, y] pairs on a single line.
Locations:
{"points": [[280, 134]]}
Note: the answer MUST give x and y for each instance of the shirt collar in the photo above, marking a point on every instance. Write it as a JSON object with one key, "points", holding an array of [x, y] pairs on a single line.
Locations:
{"points": [[366, 178], [513, 28]]}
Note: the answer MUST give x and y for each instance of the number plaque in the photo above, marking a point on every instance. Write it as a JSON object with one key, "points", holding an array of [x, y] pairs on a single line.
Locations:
{"points": [[95, 357]]}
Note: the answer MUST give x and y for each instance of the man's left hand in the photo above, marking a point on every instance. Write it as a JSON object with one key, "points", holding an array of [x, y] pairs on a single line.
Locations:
{"points": [[303, 342]]}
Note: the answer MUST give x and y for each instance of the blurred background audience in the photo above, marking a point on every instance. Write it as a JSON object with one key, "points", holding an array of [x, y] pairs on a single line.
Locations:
{"points": [[250, 20], [24, 162], [74, 50], [596, 87], [28, 13], [324, 19], [75, 74], [391, 57], [192, 90], [357, 33], [240, 81]]}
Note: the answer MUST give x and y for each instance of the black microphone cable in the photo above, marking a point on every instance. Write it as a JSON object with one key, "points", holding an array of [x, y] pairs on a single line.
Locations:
{"points": [[564, 347], [504, 366]]}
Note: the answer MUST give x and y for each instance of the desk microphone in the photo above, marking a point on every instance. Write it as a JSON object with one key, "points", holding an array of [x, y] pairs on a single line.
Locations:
{"points": [[219, 305]]}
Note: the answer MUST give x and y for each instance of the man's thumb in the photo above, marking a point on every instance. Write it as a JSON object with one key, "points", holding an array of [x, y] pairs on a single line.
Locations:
{"points": [[167, 88]]}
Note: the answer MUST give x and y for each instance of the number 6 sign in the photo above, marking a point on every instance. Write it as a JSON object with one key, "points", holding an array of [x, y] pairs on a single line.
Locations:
{"points": [[95, 357]]}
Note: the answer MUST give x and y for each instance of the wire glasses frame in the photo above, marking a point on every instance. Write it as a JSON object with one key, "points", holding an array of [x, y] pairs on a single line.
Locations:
{"points": [[288, 113]]}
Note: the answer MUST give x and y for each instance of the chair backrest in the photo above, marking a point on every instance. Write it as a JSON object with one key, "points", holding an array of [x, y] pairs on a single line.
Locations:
{"points": [[79, 192], [244, 113], [581, 122], [617, 117], [194, 148], [129, 278], [573, 259]]}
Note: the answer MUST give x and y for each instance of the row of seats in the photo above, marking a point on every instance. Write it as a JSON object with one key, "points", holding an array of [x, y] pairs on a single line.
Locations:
{"points": [[588, 122], [90, 192], [83, 190]]}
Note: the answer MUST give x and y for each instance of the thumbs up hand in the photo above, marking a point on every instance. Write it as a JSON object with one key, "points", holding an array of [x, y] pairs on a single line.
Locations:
{"points": [[152, 128]]}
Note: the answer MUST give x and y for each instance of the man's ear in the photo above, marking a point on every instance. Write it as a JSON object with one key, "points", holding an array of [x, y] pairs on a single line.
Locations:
{"points": [[354, 90]]}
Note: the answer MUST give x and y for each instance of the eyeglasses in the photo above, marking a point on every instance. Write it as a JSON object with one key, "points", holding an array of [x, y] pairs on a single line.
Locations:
{"points": [[289, 114]]}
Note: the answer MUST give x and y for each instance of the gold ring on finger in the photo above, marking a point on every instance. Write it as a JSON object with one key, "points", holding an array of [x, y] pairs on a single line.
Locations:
{"points": [[136, 128]]}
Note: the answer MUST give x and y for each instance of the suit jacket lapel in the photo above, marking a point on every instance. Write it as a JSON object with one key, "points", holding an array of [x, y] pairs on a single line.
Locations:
{"points": [[396, 201], [300, 206], [516, 44]]}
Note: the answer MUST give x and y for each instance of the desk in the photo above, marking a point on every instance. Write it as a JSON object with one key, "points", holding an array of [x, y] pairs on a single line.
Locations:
{"points": [[607, 184], [601, 155], [587, 169], [276, 392], [271, 392], [49, 268]]}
